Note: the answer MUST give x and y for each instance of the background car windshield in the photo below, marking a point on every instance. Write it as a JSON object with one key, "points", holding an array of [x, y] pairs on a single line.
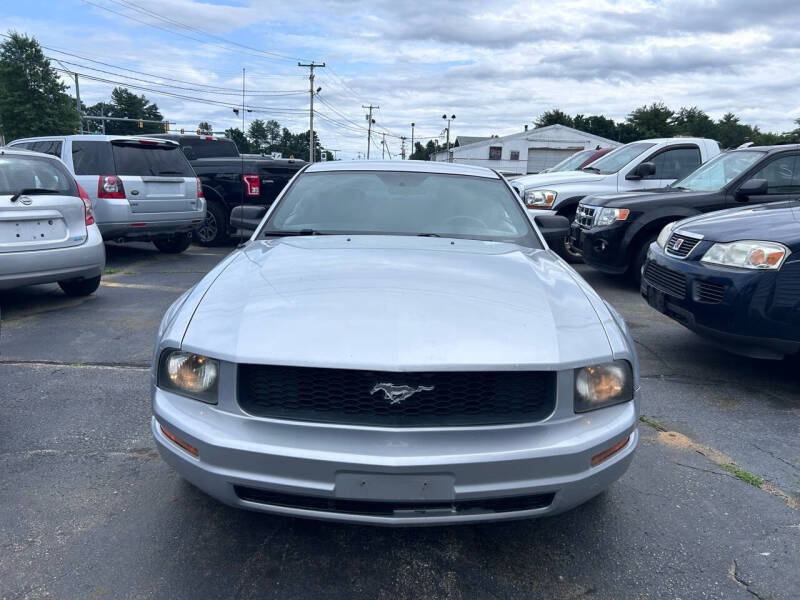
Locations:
{"points": [[719, 171], [403, 203], [214, 148], [143, 159], [571, 163], [614, 161], [19, 173]]}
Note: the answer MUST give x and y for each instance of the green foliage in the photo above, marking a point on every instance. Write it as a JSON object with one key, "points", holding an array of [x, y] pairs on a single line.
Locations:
{"points": [[257, 133], [32, 98], [424, 152], [239, 138], [128, 105], [205, 128], [658, 120]]}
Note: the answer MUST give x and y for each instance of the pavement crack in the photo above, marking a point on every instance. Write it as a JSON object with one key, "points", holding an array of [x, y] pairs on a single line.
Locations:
{"points": [[733, 573], [776, 457], [77, 365]]}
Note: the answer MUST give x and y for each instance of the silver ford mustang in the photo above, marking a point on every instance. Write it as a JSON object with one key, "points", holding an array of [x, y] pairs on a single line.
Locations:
{"points": [[396, 345]]}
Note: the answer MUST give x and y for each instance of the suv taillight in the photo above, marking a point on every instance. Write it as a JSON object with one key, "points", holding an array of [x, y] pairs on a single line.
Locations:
{"points": [[87, 205], [199, 188], [110, 186], [252, 185]]}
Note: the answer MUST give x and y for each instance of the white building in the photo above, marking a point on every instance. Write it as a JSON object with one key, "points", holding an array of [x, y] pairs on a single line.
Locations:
{"points": [[529, 151]]}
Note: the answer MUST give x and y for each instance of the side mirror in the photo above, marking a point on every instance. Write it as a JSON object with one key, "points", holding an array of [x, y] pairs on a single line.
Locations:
{"points": [[554, 228], [247, 217], [645, 169], [752, 187]]}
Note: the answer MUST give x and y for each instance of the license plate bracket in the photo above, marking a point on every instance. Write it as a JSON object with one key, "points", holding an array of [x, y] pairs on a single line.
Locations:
{"points": [[387, 487]]}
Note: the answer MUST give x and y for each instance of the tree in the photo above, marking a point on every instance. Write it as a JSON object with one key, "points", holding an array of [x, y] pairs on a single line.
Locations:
{"points": [[596, 125], [693, 122], [273, 129], [257, 134], [730, 133], [239, 138], [652, 121], [126, 104], [555, 116], [205, 128], [32, 98]]}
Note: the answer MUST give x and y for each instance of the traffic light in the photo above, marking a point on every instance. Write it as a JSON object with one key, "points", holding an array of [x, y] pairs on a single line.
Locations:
{"points": [[182, 131], [166, 126], [141, 124]]}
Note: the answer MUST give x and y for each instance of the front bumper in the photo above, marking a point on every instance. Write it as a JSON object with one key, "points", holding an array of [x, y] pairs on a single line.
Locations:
{"points": [[602, 248], [32, 267], [340, 473], [752, 313]]}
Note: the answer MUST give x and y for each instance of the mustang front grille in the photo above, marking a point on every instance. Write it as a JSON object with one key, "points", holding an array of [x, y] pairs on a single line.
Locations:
{"points": [[390, 399]]}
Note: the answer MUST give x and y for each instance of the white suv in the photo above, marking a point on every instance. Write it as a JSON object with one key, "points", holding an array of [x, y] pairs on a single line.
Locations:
{"points": [[142, 189]]}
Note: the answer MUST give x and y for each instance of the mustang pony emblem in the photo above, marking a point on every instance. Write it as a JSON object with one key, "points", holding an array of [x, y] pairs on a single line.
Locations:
{"points": [[395, 394]]}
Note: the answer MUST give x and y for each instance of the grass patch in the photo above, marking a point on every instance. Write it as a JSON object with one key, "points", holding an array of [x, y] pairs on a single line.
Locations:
{"points": [[652, 422], [110, 271], [742, 474]]}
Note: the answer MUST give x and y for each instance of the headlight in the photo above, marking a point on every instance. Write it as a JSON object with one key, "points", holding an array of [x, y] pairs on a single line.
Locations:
{"points": [[598, 386], [747, 255], [540, 198], [607, 216], [663, 237], [189, 374]]}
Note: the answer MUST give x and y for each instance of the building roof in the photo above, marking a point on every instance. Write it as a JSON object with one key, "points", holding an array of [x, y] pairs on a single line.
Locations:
{"points": [[463, 140], [545, 132]]}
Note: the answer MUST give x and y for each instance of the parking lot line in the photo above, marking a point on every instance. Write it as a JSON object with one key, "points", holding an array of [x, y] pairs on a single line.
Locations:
{"points": [[142, 286]]}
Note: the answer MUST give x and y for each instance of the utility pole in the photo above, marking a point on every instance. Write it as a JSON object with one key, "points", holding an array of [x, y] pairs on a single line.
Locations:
{"points": [[448, 119], [369, 126], [413, 149], [383, 147], [311, 66], [403, 147], [78, 103], [242, 100], [102, 114]]}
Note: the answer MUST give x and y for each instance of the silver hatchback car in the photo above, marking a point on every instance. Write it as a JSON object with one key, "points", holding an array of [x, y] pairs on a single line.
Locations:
{"points": [[142, 189], [47, 230], [396, 345]]}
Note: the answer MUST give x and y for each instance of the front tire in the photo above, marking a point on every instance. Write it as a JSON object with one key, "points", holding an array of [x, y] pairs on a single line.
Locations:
{"points": [[564, 250], [175, 244], [80, 287], [214, 229], [635, 270]]}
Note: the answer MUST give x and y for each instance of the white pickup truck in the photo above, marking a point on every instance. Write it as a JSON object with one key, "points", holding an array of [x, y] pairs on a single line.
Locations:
{"points": [[638, 166]]}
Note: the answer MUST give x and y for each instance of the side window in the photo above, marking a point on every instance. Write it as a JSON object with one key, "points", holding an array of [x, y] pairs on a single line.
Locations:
{"points": [[52, 147], [675, 163], [782, 175], [495, 152], [92, 158]]}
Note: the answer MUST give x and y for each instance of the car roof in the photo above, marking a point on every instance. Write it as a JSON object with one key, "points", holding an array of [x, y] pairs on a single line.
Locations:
{"points": [[775, 148], [6, 150], [90, 137], [402, 166]]}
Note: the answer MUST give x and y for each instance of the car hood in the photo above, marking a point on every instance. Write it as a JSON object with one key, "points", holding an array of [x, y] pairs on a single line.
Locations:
{"points": [[775, 222], [559, 178], [397, 303], [636, 200]]}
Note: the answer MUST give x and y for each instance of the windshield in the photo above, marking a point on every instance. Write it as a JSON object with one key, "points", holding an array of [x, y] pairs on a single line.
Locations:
{"points": [[18, 173], [615, 160], [402, 203], [571, 163], [719, 171]]}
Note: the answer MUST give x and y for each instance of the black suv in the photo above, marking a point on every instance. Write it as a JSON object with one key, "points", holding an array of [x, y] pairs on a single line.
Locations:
{"points": [[613, 232]]}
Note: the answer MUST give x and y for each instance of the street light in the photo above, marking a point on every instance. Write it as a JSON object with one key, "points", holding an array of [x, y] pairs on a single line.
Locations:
{"points": [[448, 119], [412, 141]]}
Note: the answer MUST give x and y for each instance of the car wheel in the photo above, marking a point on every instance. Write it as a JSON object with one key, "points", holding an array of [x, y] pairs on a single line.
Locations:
{"points": [[214, 230], [80, 287], [635, 270], [175, 244], [564, 250]]}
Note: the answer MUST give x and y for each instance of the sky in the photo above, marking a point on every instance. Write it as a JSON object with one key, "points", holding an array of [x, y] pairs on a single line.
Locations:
{"points": [[496, 66]]}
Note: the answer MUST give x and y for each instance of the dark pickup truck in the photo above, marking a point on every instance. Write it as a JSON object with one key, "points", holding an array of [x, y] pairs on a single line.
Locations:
{"points": [[230, 179], [613, 232]]}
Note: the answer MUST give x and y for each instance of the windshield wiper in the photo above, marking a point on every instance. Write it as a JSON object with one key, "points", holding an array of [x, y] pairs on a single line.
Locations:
{"points": [[276, 232], [27, 191], [428, 235], [170, 173], [595, 169]]}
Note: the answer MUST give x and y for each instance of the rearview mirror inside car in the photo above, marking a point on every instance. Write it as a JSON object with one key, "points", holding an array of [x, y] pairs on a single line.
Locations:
{"points": [[752, 187], [247, 217], [645, 169], [554, 228]]}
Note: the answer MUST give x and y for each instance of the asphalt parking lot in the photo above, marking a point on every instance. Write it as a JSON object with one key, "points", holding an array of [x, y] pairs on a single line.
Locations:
{"points": [[709, 509]]}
